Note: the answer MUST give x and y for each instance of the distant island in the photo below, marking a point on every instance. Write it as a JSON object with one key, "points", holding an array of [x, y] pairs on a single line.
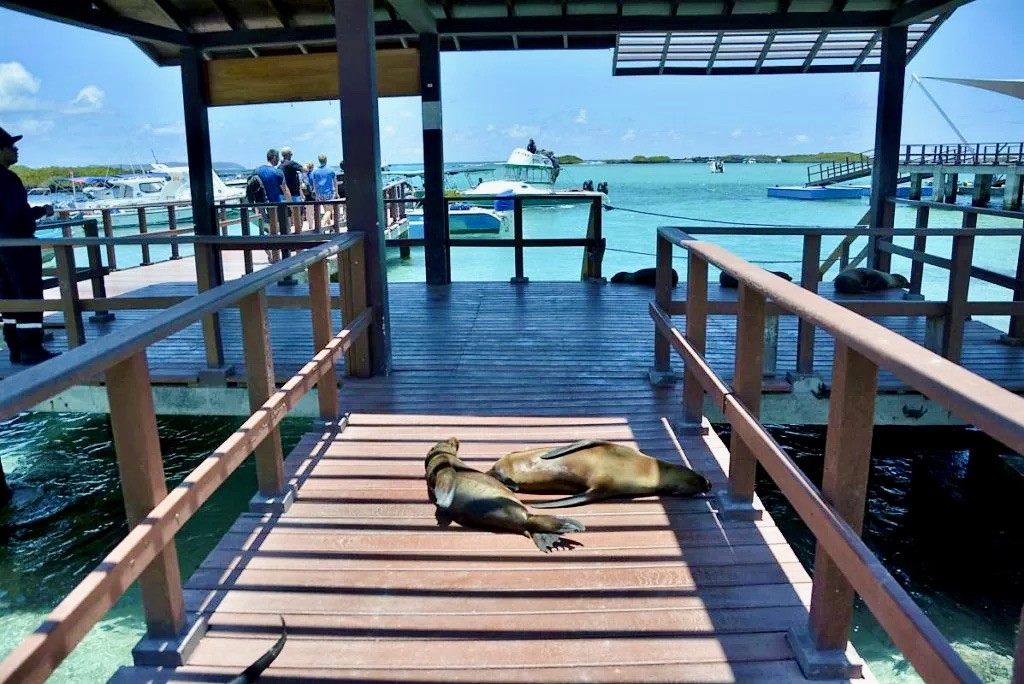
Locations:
{"points": [[569, 159], [53, 175], [727, 158]]}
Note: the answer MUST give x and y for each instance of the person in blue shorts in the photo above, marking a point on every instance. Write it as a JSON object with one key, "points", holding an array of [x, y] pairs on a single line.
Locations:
{"points": [[277, 193], [325, 189]]}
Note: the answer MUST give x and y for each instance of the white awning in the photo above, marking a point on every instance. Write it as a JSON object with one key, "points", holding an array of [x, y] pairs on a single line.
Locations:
{"points": [[1011, 87]]}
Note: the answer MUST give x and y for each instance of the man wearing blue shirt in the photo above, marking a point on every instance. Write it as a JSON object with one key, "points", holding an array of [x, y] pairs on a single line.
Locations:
{"points": [[325, 189], [277, 192], [21, 268]]}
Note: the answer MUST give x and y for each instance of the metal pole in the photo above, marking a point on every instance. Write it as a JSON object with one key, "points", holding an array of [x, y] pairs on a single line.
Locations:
{"points": [[435, 206]]}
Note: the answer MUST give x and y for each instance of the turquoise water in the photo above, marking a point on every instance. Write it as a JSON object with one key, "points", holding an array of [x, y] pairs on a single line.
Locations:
{"points": [[68, 510]]}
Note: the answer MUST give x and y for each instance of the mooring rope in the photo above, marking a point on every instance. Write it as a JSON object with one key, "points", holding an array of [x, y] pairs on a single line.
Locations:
{"points": [[700, 220], [683, 256]]}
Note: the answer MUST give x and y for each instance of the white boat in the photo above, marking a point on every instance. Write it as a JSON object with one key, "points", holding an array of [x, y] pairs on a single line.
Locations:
{"points": [[538, 168], [750, 160], [537, 196], [165, 184], [463, 219], [716, 166]]}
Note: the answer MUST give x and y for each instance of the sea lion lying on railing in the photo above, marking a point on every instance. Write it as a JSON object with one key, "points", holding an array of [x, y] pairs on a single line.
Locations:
{"points": [[726, 280], [253, 672], [474, 499], [645, 276], [862, 280], [593, 470]]}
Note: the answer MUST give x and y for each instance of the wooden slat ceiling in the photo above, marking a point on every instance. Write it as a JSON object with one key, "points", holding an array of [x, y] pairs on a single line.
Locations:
{"points": [[251, 28]]}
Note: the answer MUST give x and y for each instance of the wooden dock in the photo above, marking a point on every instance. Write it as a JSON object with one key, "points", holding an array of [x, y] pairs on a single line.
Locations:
{"points": [[373, 590]]}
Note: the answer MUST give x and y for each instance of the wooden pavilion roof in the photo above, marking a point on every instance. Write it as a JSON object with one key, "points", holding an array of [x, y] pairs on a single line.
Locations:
{"points": [[255, 28]]}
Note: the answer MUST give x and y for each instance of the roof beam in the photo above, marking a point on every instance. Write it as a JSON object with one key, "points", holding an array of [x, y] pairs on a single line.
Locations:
{"points": [[814, 50], [558, 25], [714, 51], [230, 15], [284, 13], [417, 14], [91, 17], [738, 71], [916, 10], [867, 50], [764, 51], [174, 14]]}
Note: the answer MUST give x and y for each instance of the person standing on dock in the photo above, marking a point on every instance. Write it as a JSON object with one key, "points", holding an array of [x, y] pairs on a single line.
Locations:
{"points": [[277, 192], [21, 268], [324, 182]]}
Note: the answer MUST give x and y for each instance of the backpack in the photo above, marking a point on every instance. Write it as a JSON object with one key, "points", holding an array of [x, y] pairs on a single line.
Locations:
{"points": [[255, 191]]}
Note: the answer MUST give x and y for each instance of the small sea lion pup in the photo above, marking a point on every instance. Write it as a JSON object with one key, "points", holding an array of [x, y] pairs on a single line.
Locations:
{"points": [[726, 280], [594, 470], [861, 280], [645, 276], [474, 499]]}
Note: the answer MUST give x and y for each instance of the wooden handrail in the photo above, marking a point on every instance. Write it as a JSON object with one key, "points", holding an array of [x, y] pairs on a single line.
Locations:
{"points": [[34, 384], [996, 411]]}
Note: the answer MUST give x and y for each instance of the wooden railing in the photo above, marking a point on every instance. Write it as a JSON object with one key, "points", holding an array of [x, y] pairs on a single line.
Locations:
{"points": [[593, 244], [826, 172], [945, 320], [963, 154], [843, 564], [148, 552]]}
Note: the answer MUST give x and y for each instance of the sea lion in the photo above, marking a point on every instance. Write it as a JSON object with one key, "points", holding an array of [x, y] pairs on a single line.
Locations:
{"points": [[594, 470], [726, 280], [861, 280], [253, 672], [645, 276], [474, 499]]}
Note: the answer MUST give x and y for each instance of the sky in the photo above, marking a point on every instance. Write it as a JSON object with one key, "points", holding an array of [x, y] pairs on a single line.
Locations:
{"points": [[83, 97]]}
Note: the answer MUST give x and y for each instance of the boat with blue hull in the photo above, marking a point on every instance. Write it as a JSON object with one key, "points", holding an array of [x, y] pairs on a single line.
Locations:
{"points": [[463, 219]]}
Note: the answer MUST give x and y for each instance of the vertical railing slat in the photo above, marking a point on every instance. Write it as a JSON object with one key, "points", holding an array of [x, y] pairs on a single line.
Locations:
{"points": [[696, 334], [352, 281], [517, 220], [750, 323], [663, 298], [809, 281], [71, 303], [959, 286], [320, 307]]}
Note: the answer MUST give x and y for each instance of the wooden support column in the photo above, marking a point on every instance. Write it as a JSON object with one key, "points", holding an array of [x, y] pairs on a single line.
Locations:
{"points": [[737, 502], [71, 302], [888, 125], [982, 195], [661, 373], [1012, 192], [320, 304], [809, 277], [1016, 329], [351, 281], [360, 135], [696, 335], [435, 206], [920, 241], [821, 651], [140, 464], [959, 286]]}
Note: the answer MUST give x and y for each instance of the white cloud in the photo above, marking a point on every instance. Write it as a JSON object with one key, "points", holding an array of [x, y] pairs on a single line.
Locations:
{"points": [[581, 118], [319, 129], [801, 138], [17, 88], [89, 99], [520, 131], [31, 127], [629, 135], [171, 129], [737, 133], [490, 128]]}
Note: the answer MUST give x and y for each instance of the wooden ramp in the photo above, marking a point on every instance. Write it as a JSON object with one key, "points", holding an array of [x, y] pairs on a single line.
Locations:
{"points": [[373, 590]]}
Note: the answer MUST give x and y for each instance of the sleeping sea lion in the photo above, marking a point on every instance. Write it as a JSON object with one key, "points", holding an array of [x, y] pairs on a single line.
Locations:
{"points": [[861, 280], [253, 672], [726, 280], [474, 499], [594, 470], [645, 276]]}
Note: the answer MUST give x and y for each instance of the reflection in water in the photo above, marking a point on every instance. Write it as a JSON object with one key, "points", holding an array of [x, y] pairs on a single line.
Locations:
{"points": [[942, 516], [68, 513]]}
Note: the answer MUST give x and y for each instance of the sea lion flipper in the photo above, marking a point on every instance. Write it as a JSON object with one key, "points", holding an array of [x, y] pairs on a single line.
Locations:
{"points": [[546, 531], [577, 500], [547, 541], [444, 490], [253, 672], [572, 448], [442, 518]]}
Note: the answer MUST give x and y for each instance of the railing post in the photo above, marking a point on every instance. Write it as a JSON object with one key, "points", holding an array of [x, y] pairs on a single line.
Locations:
{"points": [[143, 229], [920, 245], [273, 254], [204, 254], [517, 217], [320, 307], [243, 217], [273, 495], [108, 231], [821, 648], [593, 253], [1016, 329], [96, 276], [696, 335], [172, 225], [737, 502], [222, 219], [809, 281], [71, 304], [352, 281], [661, 373], [140, 464], [959, 285]]}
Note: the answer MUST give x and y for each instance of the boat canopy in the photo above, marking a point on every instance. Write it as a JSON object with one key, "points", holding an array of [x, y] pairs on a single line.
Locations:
{"points": [[1011, 87]]}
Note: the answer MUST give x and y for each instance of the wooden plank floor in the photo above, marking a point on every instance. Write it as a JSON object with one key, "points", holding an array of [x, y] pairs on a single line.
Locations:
{"points": [[373, 590], [462, 332]]}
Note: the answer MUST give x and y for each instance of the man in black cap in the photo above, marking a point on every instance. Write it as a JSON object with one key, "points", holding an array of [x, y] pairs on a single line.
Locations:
{"points": [[21, 268]]}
